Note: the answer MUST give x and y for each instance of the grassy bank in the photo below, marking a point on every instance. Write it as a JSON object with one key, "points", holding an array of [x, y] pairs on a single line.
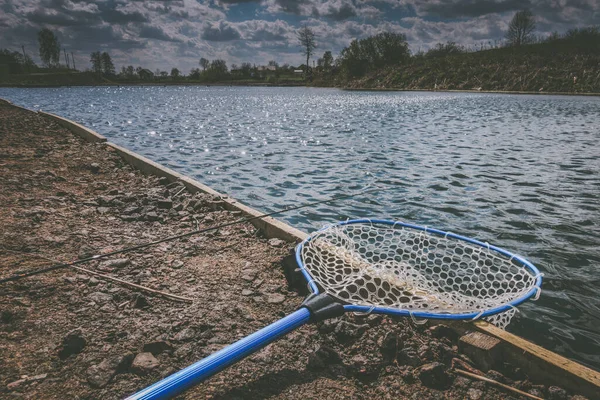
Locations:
{"points": [[543, 67]]}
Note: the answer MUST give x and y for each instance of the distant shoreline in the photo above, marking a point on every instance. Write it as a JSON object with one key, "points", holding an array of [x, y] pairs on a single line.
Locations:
{"points": [[259, 84]]}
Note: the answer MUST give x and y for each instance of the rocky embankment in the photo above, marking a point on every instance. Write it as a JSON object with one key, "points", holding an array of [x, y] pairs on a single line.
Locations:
{"points": [[70, 334]]}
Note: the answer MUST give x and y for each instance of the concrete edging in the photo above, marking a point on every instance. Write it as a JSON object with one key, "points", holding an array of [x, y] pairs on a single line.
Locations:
{"points": [[549, 367], [87, 134]]}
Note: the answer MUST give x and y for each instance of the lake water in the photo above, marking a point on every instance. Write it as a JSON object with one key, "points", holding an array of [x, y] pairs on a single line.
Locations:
{"points": [[521, 172]]}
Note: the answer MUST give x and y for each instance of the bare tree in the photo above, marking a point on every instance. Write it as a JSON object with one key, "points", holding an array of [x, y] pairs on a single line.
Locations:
{"points": [[204, 63], [49, 47], [306, 36], [520, 29]]}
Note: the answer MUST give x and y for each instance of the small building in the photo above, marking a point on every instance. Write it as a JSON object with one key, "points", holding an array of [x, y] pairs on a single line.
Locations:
{"points": [[298, 71]]}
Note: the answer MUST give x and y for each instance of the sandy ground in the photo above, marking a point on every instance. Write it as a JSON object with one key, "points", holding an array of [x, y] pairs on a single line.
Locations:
{"points": [[68, 334]]}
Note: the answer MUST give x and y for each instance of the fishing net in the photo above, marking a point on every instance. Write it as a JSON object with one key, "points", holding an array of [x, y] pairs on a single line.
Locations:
{"points": [[395, 266]]}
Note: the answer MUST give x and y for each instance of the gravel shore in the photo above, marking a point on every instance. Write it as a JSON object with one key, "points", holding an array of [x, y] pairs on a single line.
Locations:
{"points": [[69, 334]]}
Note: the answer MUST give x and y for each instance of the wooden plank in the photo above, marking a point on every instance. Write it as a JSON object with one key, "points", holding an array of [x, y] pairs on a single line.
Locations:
{"points": [[544, 365], [484, 350]]}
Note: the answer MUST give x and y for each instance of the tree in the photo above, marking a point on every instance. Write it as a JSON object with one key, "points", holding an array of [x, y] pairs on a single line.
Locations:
{"points": [[327, 61], [306, 36], [520, 29], [49, 47], [374, 52], [204, 63], [273, 63], [107, 65], [96, 60], [174, 73]]}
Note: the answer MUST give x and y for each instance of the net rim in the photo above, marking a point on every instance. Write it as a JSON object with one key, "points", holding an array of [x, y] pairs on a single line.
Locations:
{"points": [[420, 314]]}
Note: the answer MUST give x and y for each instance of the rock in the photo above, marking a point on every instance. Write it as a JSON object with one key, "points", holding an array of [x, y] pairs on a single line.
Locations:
{"points": [[185, 334], [408, 356], [131, 210], [247, 292], [103, 210], [93, 281], [141, 302], [276, 242], [249, 274], [345, 330], [86, 251], [443, 331], [434, 375], [152, 216], [474, 394], [389, 346], [557, 393], [165, 204], [323, 357], [100, 298], [183, 351], [72, 343], [177, 264], [144, 363], [99, 375], [275, 298], [95, 168], [116, 263], [157, 347]]}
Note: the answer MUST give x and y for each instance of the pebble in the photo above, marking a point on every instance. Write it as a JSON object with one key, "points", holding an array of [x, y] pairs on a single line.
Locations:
{"points": [[144, 363], [247, 292], [185, 334], [116, 263], [275, 298], [276, 242], [100, 298], [434, 375], [165, 204], [72, 343], [557, 393], [474, 394], [177, 264]]}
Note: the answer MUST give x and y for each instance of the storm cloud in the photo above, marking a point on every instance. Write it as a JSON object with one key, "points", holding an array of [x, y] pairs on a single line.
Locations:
{"points": [[176, 33]]}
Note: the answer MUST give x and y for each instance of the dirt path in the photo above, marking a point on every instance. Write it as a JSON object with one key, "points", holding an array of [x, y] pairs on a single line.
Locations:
{"points": [[67, 334]]}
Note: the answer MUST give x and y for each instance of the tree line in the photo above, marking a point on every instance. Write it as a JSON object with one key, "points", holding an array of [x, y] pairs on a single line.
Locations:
{"points": [[361, 56]]}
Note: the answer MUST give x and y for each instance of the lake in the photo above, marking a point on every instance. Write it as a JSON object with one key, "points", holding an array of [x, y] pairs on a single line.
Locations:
{"points": [[518, 171]]}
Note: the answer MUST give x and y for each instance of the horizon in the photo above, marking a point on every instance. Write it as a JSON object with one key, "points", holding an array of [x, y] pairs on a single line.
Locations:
{"points": [[176, 34]]}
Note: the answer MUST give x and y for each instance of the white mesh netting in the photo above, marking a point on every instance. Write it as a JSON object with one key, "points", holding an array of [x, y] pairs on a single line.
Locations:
{"points": [[379, 265]]}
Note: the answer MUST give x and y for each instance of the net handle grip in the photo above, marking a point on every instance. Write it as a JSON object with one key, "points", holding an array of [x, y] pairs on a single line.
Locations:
{"points": [[203, 369]]}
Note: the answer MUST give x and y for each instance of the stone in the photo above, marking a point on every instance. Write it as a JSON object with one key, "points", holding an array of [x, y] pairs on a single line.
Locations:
{"points": [[131, 210], [408, 356], [144, 363], [275, 298], [185, 334], [157, 347], [276, 242], [177, 264], [323, 357], [152, 216], [116, 263], [86, 251], [557, 393], [346, 330], [100, 298], [474, 394], [103, 210], [141, 302], [434, 375], [72, 343], [95, 168], [165, 204], [247, 292]]}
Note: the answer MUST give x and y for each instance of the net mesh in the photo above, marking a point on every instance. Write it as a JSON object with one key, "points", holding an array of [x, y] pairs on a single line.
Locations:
{"points": [[378, 265]]}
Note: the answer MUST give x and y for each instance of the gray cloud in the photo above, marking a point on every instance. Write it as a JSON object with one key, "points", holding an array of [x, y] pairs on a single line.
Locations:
{"points": [[155, 32], [221, 32]]}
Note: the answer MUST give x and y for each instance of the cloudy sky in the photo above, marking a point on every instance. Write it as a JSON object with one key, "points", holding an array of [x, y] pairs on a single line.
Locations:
{"points": [[176, 33]]}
